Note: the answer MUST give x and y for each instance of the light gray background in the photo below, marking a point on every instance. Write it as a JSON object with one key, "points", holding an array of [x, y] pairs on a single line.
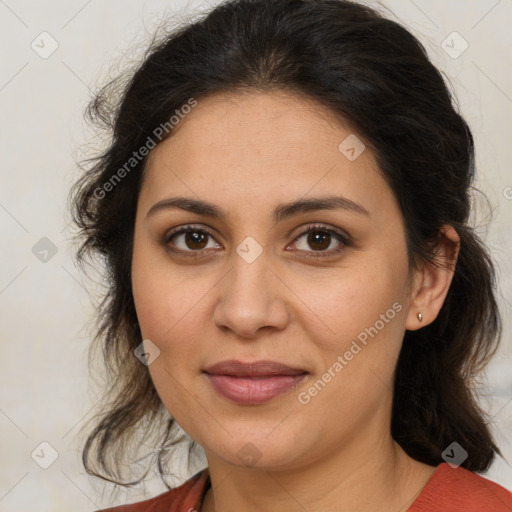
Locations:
{"points": [[45, 391]]}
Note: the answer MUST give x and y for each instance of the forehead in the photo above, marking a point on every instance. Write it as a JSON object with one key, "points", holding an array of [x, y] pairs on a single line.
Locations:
{"points": [[261, 148], [270, 123]]}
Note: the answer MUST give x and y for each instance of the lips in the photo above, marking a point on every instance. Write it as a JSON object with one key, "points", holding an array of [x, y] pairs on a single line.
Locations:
{"points": [[256, 369], [253, 383]]}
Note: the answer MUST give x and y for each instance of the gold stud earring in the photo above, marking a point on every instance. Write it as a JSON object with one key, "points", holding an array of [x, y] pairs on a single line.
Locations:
{"points": [[420, 317]]}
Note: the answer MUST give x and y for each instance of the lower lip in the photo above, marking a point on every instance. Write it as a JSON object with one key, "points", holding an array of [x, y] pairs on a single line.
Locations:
{"points": [[253, 391]]}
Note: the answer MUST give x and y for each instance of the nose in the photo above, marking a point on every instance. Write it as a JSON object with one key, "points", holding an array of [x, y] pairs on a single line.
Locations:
{"points": [[252, 299]]}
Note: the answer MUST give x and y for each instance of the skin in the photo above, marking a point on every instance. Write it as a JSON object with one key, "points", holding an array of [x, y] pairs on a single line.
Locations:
{"points": [[247, 154]]}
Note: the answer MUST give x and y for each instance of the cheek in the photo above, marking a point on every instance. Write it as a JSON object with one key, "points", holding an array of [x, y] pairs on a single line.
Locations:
{"points": [[147, 292], [343, 303], [358, 330], [363, 325], [162, 297], [171, 310], [166, 306]]}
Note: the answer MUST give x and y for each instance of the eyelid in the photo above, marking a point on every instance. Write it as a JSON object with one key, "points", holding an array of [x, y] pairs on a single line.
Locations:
{"points": [[184, 229], [340, 235]]}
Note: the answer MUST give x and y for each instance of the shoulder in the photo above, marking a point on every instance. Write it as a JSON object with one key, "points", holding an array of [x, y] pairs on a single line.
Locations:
{"points": [[457, 489], [186, 497]]}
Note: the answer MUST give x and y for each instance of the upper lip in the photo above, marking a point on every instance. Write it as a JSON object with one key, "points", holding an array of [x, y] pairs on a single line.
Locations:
{"points": [[256, 368]]}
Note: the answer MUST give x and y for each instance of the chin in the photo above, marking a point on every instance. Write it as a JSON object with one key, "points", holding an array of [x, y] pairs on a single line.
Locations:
{"points": [[256, 451]]}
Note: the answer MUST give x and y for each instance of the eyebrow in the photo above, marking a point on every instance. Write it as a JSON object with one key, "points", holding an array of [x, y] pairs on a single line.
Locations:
{"points": [[282, 211]]}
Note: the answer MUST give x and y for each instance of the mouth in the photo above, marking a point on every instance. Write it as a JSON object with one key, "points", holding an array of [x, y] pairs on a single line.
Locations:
{"points": [[253, 383], [255, 369]]}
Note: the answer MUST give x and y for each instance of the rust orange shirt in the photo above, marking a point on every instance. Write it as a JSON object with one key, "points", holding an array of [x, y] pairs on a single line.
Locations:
{"points": [[448, 490]]}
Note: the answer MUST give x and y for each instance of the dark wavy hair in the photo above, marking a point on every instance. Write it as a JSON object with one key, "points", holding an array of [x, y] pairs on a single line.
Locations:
{"points": [[375, 75]]}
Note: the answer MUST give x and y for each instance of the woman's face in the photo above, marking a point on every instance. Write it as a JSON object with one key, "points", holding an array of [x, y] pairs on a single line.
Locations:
{"points": [[253, 285]]}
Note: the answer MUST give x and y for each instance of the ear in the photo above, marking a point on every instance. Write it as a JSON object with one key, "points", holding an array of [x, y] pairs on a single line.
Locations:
{"points": [[432, 281]]}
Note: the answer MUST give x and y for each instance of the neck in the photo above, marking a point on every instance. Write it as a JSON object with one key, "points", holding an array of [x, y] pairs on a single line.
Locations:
{"points": [[378, 477]]}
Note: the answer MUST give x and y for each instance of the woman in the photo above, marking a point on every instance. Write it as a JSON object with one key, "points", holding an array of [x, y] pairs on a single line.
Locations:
{"points": [[283, 213]]}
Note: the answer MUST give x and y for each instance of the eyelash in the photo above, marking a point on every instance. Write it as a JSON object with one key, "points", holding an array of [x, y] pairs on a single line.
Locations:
{"points": [[345, 241]]}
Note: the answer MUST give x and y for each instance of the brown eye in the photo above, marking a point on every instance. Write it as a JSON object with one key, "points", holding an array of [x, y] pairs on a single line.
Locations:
{"points": [[195, 239], [191, 241], [188, 240], [318, 239]]}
